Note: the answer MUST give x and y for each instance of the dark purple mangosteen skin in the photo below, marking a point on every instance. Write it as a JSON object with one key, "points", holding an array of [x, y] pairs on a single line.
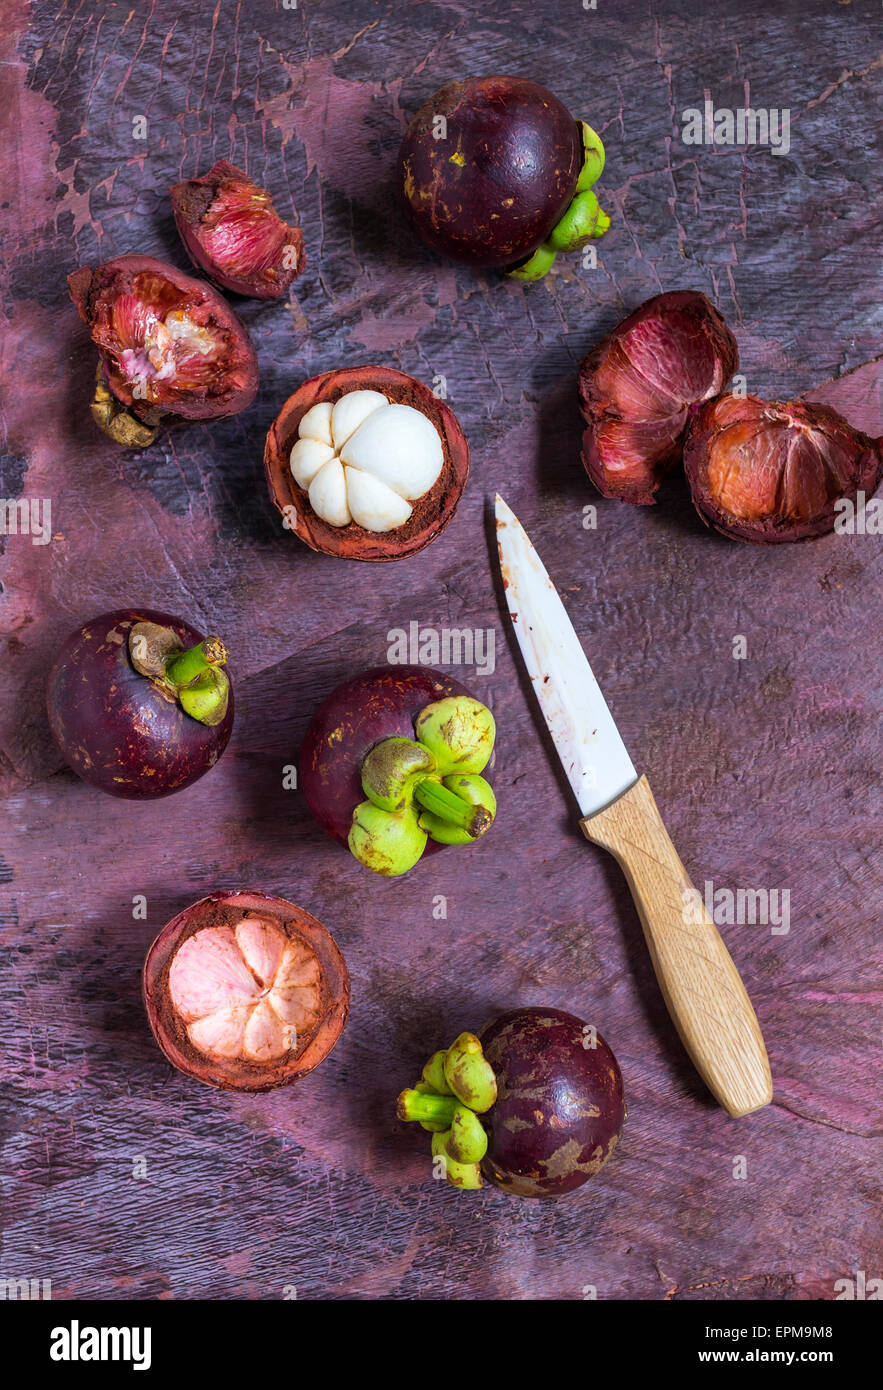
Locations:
{"points": [[381, 703], [560, 1106], [490, 192], [114, 727]]}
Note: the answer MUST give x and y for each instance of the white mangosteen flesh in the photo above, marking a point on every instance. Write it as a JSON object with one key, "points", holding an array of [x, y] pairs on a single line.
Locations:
{"points": [[246, 992], [328, 494], [372, 504], [316, 424], [307, 457], [350, 411], [399, 447], [392, 455]]}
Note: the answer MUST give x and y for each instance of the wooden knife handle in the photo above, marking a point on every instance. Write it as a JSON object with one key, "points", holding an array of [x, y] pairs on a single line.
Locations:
{"points": [[700, 984]]}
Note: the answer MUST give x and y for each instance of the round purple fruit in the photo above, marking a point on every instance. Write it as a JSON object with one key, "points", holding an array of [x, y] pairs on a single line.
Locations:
{"points": [[139, 704], [533, 1104]]}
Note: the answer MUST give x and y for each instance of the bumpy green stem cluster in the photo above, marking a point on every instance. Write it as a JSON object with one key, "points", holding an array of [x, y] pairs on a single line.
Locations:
{"points": [[192, 677], [583, 220], [426, 788], [457, 1085]]}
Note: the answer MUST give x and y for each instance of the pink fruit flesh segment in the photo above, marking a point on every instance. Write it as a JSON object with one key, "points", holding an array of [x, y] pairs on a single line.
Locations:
{"points": [[244, 242], [153, 343], [246, 992]]}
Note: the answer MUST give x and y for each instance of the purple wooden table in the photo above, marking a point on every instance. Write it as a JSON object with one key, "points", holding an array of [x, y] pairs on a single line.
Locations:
{"points": [[120, 1178]]}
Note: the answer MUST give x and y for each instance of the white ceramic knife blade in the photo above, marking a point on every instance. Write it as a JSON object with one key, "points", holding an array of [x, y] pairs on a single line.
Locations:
{"points": [[588, 742]]}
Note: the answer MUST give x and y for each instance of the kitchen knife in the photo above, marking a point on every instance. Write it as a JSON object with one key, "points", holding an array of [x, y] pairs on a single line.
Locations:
{"points": [[700, 984]]}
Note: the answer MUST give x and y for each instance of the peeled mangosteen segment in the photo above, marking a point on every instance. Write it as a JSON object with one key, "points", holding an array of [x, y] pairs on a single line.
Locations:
{"points": [[366, 463], [637, 387], [231, 230], [138, 703], [771, 472], [489, 169], [169, 344], [245, 991]]}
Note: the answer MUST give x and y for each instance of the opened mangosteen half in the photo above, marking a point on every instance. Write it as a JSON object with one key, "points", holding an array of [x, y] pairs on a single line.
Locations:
{"points": [[139, 703], [776, 471], [170, 346], [533, 1104], [245, 991], [391, 766], [495, 171], [366, 463]]}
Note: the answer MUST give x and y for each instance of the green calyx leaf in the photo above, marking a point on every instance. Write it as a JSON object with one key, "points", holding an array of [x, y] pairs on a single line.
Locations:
{"points": [[459, 732], [584, 221], [386, 843], [206, 697], [536, 266], [463, 1175], [469, 1074], [466, 1139], [594, 157], [392, 770], [434, 1074]]}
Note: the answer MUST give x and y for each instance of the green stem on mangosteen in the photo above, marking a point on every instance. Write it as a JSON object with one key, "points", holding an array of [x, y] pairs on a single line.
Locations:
{"points": [[439, 801], [419, 1105], [203, 690]]}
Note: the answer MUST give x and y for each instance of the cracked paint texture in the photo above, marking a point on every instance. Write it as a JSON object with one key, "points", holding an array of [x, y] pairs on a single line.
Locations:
{"points": [[766, 769]]}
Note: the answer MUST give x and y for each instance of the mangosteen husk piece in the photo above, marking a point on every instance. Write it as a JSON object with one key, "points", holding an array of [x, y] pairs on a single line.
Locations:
{"points": [[637, 387], [232, 232], [773, 472], [128, 304]]}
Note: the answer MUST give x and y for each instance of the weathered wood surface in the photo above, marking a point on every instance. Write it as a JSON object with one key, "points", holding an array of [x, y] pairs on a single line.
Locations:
{"points": [[767, 768]]}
